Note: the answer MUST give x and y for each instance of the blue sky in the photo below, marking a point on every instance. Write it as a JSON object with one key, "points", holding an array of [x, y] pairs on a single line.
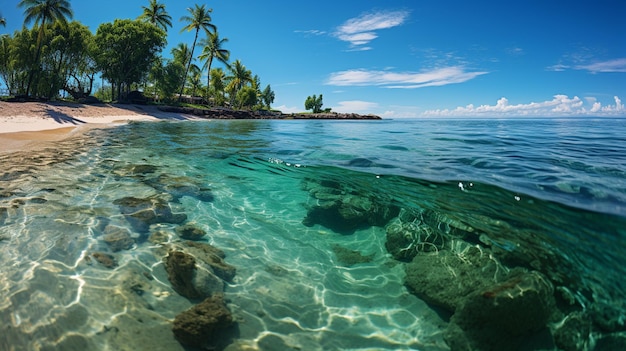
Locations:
{"points": [[414, 58]]}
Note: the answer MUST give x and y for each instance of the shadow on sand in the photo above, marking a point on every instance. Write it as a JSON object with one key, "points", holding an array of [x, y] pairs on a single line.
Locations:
{"points": [[62, 118]]}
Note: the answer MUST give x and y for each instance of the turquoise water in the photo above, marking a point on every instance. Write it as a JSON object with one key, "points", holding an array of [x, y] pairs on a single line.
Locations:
{"points": [[541, 195]]}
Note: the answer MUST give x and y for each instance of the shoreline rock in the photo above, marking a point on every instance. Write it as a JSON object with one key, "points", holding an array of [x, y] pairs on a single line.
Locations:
{"points": [[225, 113]]}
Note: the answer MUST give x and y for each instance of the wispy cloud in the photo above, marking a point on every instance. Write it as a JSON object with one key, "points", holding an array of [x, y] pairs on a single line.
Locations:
{"points": [[360, 31], [402, 80], [616, 65], [311, 32], [355, 106], [560, 105]]}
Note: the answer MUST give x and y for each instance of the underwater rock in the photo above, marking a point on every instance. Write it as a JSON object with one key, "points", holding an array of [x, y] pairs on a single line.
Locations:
{"points": [[117, 238], [190, 232], [142, 212], [202, 325], [213, 257], [349, 213], [343, 209], [159, 237], [189, 278], [501, 316], [349, 257], [446, 278], [136, 170], [3, 214], [406, 240], [179, 186], [611, 342], [573, 333], [607, 318], [105, 259]]}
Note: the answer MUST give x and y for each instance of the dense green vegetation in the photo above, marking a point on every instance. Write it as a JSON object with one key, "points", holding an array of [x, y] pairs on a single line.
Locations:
{"points": [[314, 103], [60, 56]]}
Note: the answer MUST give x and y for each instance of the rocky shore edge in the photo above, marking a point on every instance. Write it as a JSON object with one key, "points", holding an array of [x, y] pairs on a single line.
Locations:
{"points": [[225, 113]]}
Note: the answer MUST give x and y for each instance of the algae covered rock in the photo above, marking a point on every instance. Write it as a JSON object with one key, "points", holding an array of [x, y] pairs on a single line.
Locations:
{"points": [[213, 257], [118, 238], [343, 209], [190, 232], [191, 279], [143, 212], [446, 278], [349, 257], [202, 325], [503, 315]]}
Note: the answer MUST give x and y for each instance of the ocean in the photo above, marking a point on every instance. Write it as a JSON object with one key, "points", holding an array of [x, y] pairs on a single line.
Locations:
{"points": [[336, 230]]}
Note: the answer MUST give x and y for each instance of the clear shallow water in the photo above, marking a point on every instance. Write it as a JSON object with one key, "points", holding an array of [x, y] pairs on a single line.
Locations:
{"points": [[550, 193]]}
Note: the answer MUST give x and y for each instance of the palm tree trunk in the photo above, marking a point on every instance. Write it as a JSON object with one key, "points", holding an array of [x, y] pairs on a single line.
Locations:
{"points": [[188, 66]]}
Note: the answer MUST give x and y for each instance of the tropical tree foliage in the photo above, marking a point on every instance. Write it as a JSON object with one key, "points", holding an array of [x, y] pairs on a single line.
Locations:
{"points": [[56, 55], [212, 48], [156, 14], [314, 103], [199, 18], [267, 96], [43, 13], [125, 51]]}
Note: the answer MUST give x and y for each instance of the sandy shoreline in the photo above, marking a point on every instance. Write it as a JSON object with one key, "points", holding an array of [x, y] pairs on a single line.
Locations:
{"points": [[29, 123]]}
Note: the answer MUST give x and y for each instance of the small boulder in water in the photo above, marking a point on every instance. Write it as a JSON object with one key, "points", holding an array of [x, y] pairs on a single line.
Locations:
{"points": [[188, 279], [118, 238], [204, 324], [190, 232]]}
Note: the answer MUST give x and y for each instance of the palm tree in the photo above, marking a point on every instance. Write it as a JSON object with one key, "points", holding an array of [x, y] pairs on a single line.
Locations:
{"points": [[199, 18], [181, 54], [239, 76], [156, 14], [212, 48], [44, 12]]}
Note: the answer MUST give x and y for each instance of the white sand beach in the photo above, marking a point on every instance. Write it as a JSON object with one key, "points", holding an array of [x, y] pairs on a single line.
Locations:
{"points": [[27, 123]]}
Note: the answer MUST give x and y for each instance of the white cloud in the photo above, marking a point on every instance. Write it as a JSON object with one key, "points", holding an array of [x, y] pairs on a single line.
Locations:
{"points": [[362, 30], [616, 65], [405, 80], [288, 109], [311, 32], [559, 106], [355, 106]]}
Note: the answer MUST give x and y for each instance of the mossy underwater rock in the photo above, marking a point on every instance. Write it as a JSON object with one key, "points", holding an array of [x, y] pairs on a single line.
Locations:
{"points": [[503, 315], [190, 278], [213, 257], [344, 210], [190, 232], [143, 212], [446, 278], [118, 238], [348, 257], [202, 325]]}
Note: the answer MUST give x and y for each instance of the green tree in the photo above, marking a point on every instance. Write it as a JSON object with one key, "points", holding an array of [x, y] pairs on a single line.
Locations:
{"points": [[7, 64], [181, 53], [314, 103], [43, 12], [199, 18], [18, 59], [217, 87], [239, 77], [246, 97], [156, 14], [125, 50], [267, 96], [212, 49]]}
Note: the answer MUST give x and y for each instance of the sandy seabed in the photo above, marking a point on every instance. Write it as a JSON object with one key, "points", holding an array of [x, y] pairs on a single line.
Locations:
{"points": [[23, 124]]}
